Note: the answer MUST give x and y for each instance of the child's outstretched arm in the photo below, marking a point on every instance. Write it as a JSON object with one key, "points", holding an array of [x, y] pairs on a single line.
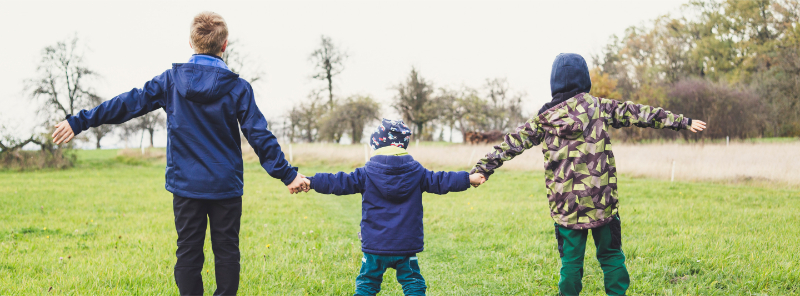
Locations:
{"points": [[623, 114], [340, 183], [444, 182], [526, 136], [265, 144], [121, 108]]}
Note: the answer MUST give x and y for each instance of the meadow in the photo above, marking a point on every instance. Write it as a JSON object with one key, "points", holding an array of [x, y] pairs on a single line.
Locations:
{"points": [[106, 227]]}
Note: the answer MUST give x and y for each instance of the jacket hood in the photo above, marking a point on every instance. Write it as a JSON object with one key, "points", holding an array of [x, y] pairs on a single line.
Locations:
{"points": [[203, 84], [569, 76], [398, 176]]}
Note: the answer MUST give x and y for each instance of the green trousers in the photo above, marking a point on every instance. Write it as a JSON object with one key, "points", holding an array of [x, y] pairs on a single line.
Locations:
{"points": [[572, 247], [368, 282]]}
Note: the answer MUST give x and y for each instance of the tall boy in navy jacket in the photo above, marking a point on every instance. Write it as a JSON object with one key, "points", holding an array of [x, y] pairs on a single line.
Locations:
{"points": [[205, 104], [391, 185]]}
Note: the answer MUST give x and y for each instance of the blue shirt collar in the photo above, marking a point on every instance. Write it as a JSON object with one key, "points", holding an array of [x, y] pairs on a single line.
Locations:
{"points": [[208, 60]]}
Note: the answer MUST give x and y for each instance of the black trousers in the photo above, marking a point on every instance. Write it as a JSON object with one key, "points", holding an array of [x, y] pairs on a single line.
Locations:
{"points": [[191, 217]]}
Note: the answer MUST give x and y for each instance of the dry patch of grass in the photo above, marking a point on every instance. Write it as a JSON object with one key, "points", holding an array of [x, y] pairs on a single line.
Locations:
{"points": [[737, 162], [148, 153], [431, 155]]}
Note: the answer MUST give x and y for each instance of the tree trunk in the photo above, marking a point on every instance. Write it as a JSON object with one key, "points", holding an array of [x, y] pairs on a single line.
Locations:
{"points": [[463, 131], [309, 136], [98, 142], [330, 90], [151, 131], [451, 132], [357, 133]]}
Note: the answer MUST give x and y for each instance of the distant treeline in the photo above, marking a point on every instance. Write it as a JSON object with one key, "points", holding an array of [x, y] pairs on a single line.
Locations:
{"points": [[432, 113], [734, 64]]}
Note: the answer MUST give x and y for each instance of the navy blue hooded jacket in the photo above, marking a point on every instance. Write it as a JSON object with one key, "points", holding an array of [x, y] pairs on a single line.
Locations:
{"points": [[568, 77], [205, 106], [391, 206]]}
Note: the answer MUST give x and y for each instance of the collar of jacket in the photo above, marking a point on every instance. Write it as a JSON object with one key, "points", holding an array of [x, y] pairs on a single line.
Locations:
{"points": [[391, 150], [558, 99], [208, 60]]}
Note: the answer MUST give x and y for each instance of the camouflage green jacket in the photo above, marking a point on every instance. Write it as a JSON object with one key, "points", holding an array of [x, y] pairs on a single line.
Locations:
{"points": [[580, 173]]}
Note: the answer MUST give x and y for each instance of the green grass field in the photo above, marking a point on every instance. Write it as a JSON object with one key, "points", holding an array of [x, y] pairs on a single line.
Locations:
{"points": [[106, 228]]}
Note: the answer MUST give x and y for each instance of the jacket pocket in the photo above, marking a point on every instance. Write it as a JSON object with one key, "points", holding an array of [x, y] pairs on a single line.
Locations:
{"points": [[560, 242], [616, 233]]}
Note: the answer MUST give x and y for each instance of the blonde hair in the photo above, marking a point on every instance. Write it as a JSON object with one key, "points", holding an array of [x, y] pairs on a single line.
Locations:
{"points": [[208, 32]]}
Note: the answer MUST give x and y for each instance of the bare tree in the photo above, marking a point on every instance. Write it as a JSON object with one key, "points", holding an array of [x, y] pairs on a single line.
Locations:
{"points": [[505, 105], [303, 121], [241, 63], [328, 62], [151, 122], [9, 143], [60, 82], [50, 155], [415, 101], [128, 130], [101, 131]]}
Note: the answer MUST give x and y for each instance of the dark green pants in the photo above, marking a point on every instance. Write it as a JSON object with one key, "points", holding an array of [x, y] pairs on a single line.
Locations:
{"points": [[369, 280], [572, 246]]}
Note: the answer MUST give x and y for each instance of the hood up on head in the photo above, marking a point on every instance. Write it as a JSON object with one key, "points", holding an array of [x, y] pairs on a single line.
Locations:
{"points": [[398, 176], [203, 84], [569, 77]]}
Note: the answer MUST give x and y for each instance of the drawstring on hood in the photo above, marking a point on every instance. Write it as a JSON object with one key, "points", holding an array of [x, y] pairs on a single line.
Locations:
{"points": [[569, 77]]}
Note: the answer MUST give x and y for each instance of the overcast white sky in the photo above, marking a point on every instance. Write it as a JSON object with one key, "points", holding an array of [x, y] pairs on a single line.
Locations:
{"points": [[452, 43]]}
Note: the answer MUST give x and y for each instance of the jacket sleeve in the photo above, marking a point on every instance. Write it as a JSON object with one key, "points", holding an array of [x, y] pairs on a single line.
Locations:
{"points": [[264, 143], [444, 182], [124, 107], [526, 136], [340, 183], [624, 114]]}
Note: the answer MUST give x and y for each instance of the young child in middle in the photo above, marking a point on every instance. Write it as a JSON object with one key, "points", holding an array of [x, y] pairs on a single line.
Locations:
{"points": [[391, 185]]}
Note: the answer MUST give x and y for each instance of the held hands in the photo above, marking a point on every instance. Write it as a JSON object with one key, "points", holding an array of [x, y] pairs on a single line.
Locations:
{"points": [[300, 183], [63, 133], [476, 179], [697, 126]]}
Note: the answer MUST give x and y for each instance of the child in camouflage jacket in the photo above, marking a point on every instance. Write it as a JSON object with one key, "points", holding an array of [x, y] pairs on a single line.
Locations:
{"points": [[580, 172]]}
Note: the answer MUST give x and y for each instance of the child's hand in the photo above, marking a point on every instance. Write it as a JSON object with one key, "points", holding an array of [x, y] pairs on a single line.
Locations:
{"points": [[697, 126], [476, 179], [63, 133], [299, 184]]}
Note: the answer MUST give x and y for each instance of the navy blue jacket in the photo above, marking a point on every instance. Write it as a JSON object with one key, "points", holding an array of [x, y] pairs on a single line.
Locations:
{"points": [[391, 206], [205, 106]]}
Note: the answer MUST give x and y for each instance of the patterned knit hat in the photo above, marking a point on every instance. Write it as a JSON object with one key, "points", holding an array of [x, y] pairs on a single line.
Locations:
{"points": [[390, 133]]}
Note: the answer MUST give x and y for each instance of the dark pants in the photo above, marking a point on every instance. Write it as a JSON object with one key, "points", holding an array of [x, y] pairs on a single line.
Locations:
{"points": [[572, 246], [369, 280], [191, 217]]}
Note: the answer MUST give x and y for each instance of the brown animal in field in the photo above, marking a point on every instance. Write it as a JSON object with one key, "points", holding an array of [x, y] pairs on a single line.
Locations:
{"points": [[483, 137], [493, 136], [469, 137]]}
